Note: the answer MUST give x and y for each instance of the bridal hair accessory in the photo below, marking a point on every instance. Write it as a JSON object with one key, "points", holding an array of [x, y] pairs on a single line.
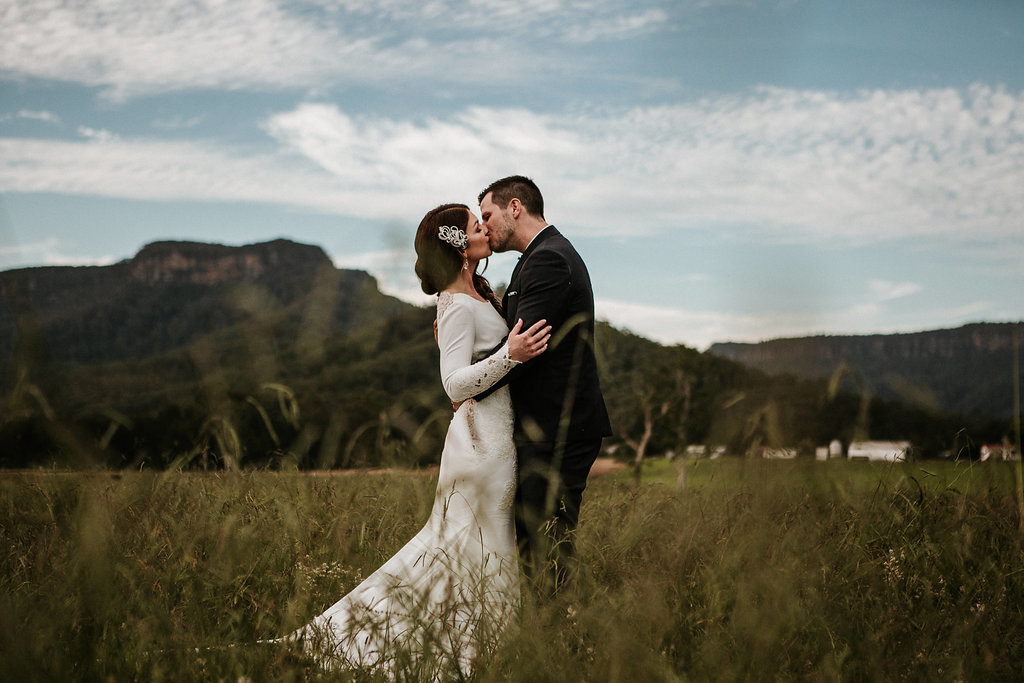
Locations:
{"points": [[453, 236]]}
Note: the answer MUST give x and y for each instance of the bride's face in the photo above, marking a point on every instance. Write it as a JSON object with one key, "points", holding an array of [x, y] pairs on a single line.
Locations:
{"points": [[478, 248]]}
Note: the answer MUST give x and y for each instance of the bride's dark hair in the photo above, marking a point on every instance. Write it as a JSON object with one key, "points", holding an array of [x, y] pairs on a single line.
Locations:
{"points": [[438, 263]]}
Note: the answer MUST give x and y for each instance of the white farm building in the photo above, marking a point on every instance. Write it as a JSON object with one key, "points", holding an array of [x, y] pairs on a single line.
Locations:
{"points": [[890, 451]]}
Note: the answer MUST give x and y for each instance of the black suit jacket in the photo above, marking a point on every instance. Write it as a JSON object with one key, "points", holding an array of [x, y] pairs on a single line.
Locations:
{"points": [[557, 395]]}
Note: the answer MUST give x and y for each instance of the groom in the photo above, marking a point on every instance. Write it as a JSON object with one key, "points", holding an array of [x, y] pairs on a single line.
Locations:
{"points": [[560, 412]]}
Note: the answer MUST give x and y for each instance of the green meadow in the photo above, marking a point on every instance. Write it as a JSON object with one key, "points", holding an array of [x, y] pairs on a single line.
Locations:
{"points": [[754, 570]]}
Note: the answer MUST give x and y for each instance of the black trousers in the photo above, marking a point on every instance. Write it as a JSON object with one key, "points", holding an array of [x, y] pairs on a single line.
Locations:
{"points": [[551, 483]]}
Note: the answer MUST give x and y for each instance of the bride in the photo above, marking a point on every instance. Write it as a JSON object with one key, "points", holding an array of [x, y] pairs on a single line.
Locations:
{"points": [[443, 598]]}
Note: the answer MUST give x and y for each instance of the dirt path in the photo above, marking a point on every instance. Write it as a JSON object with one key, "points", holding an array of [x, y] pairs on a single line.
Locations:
{"points": [[604, 466]]}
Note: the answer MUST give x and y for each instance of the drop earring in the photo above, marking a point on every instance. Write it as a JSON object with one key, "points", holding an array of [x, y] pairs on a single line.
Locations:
{"points": [[465, 263]]}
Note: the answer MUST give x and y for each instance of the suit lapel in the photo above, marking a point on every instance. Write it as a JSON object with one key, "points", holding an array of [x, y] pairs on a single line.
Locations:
{"points": [[545, 234], [513, 282]]}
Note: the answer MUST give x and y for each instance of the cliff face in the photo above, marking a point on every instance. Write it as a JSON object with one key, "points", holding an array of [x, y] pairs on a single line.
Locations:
{"points": [[796, 355], [967, 370], [175, 266], [213, 264], [172, 293], [162, 264]]}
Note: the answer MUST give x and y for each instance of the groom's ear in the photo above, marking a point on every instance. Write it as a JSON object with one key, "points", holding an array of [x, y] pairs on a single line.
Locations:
{"points": [[515, 207]]}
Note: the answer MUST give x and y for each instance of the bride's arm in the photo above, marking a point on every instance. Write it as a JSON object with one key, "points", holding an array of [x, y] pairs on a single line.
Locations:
{"points": [[463, 379]]}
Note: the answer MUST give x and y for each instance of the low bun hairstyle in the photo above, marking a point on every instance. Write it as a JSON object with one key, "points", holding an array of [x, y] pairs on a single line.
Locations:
{"points": [[438, 263]]}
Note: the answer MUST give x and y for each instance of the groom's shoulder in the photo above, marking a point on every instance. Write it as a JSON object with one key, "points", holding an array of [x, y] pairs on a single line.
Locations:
{"points": [[554, 240], [555, 248], [560, 244]]}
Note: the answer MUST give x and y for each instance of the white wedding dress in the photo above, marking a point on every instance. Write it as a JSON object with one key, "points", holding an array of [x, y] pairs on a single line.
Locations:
{"points": [[444, 597]]}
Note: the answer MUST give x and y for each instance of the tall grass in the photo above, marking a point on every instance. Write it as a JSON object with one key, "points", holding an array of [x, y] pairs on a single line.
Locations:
{"points": [[759, 570]]}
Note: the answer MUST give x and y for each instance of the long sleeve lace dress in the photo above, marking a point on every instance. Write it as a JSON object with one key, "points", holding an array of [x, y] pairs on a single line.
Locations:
{"points": [[444, 597]]}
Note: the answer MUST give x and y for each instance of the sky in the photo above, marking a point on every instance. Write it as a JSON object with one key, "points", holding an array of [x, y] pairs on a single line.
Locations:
{"points": [[729, 170]]}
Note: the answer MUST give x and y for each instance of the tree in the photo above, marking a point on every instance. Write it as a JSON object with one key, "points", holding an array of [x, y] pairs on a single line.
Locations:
{"points": [[660, 388]]}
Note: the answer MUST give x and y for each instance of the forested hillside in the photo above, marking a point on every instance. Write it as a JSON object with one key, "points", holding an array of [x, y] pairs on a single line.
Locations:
{"points": [[966, 370], [197, 355], [172, 293]]}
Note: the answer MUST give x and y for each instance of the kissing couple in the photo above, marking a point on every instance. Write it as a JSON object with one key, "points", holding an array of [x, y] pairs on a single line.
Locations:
{"points": [[527, 427]]}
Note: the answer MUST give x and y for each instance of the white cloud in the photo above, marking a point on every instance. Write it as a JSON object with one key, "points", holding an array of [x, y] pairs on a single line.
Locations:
{"points": [[100, 135], [793, 165], [884, 290], [975, 310], [401, 163], [617, 26], [177, 122], [570, 20], [47, 116], [155, 170], [19, 250], [700, 329], [32, 115], [48, 252], [133, 48]]}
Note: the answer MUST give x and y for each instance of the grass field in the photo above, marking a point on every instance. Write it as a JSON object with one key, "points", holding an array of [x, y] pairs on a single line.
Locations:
{"points": [[758, 570]]}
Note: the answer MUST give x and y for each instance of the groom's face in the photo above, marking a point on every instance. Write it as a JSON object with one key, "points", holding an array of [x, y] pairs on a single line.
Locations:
{"points": [[499, 223]]}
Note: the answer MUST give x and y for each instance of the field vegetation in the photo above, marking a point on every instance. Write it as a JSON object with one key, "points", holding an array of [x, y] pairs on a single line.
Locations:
{"points": [[757, 570], [171, 493]]}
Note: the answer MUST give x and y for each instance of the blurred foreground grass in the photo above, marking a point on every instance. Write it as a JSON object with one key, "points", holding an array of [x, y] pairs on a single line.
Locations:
{"points": [[756, 571]]}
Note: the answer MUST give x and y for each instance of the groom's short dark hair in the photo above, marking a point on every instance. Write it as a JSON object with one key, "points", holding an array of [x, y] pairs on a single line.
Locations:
{"points": [[515, 187]]}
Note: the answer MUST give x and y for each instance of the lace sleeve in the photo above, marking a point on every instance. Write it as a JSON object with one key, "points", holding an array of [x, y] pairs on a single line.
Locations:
{"points": [[456, 334]]}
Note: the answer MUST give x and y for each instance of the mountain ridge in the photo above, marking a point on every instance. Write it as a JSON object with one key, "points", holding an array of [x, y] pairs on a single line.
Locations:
{"points": [[269, 355], [966, 369], [171, 293]]}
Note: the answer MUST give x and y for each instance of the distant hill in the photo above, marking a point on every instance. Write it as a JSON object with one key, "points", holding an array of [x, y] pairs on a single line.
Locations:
{"points": [[192, 348], [172, 293], [204, 355], [967, 370]]}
